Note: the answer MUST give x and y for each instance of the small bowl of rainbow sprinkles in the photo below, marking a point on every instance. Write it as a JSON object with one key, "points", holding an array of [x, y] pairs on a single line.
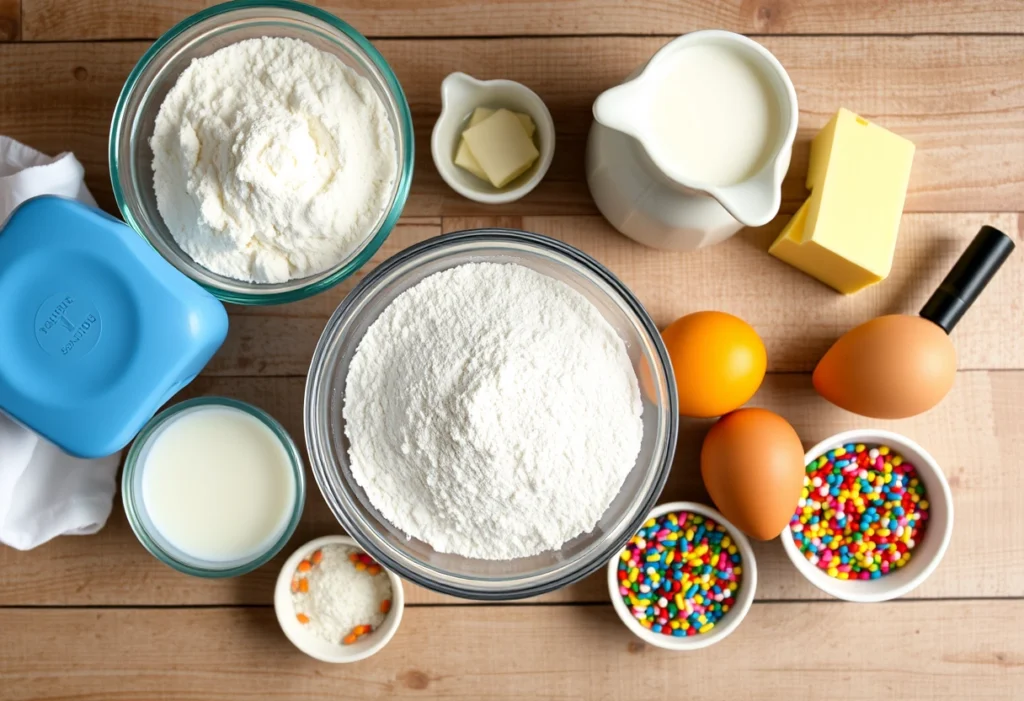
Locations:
{"points": [[874, 518], [685, 580]]}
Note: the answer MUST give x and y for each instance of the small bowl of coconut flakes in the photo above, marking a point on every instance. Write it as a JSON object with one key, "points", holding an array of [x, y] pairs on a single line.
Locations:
{"points": [[336, 603]]}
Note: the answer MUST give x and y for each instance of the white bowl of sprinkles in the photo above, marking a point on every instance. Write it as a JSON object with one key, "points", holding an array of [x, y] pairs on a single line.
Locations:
{"points": [[926, 554], [316, 563]]}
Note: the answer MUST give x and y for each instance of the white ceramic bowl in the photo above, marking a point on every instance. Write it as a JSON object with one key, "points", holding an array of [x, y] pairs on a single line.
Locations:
{"points": [[460, 95], [926, 555], [308, 642], [732, 618]]}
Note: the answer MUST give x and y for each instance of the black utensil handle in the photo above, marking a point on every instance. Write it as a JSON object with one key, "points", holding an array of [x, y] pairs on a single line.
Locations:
{"points": [[975, 267]]}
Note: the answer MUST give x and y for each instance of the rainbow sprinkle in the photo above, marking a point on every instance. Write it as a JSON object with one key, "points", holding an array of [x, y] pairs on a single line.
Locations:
{"points": [[861, 512], [679, 574]]}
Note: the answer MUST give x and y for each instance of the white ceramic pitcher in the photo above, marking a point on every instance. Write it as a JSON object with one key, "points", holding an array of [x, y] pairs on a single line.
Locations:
{"points": [[632, 186]]}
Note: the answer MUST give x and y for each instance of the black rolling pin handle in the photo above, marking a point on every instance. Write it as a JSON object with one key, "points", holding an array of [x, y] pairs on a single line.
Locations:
{"points": [[975, 267]]}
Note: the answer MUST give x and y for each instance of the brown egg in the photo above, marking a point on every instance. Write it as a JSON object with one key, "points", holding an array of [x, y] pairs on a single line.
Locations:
{"points": [[752, 463], [891, 367]]}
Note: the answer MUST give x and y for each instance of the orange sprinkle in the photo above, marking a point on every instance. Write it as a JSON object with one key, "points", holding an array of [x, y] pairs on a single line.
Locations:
{"points": [[353, 557], [362, 630], [304, 566], [304, 585], [385, 606], [373, 570], [303, 618], [349, 639], [360, 566], [317, 557]]}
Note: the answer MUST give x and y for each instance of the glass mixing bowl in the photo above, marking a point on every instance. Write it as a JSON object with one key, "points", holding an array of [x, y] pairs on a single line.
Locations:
{"points": [[414, 559], [201, 34]]}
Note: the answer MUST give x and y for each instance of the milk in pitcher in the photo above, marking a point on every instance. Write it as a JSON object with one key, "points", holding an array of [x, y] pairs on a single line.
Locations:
{"points": [[695, 144], [713, 114]]}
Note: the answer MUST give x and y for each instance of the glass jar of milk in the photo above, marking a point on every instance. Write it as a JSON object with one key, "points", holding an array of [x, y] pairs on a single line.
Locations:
{"points": [[213, 487]]}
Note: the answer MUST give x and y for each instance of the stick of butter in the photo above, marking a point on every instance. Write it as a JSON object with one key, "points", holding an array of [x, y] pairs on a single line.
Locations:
{"points": [[464, 157], [501, 147], [845, 233]]}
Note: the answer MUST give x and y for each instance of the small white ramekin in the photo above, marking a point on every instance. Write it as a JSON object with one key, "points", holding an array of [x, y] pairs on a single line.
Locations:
{"points": [[460, 95], [926, 555], [744, 593], [312, 645]]}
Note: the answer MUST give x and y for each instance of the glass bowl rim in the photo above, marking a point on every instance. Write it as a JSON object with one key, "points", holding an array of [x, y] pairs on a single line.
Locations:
{"points": [[465, 587], [404, 115], [130, 499]]}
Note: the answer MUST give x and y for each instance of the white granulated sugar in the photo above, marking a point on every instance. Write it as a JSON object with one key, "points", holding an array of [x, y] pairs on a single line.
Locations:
{"points": [[492, 412], [340, 597], [272, 160]]}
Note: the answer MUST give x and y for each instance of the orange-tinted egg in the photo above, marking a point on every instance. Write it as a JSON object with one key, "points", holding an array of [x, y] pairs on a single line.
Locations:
{"points": [[891, 367], [752, 463], [718, 360]]}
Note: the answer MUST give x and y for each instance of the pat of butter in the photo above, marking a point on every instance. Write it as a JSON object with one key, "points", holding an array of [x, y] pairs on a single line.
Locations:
{"points": [[482, 113], [464, 157], [845, 234], [501, 147]]}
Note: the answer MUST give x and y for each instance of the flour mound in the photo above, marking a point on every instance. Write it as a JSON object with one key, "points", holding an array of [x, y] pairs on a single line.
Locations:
{"points": [[272, 160], [492, 412]]}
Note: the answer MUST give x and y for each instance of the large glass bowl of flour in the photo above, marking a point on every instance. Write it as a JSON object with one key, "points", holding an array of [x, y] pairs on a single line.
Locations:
{"points": [[469, 577], [200, 35]]}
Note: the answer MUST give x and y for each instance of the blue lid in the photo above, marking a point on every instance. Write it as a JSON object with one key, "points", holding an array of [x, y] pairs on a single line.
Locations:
{"points": [[97, 331]]}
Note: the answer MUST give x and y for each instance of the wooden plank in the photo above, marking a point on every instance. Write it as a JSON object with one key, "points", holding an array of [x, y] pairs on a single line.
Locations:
{"points": [[976, 434], [940, 651], [958, 98], [798, 320], [73, 20], [10, 20], [800, 317], [280, 340]]}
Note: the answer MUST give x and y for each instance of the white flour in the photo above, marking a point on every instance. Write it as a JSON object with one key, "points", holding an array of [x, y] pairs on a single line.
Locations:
{"points": [[492, 412], [272, 160], [340, 597]]}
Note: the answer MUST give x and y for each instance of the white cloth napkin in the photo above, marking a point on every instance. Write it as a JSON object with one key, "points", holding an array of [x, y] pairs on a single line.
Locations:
{"points": [[44, 492]]}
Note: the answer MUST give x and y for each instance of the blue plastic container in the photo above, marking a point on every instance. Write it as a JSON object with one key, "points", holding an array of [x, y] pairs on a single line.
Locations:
{"points": [[97, 331]]}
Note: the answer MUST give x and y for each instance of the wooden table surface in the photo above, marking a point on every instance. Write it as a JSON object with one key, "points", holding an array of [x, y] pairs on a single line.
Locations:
{"points": [[98, 618]]}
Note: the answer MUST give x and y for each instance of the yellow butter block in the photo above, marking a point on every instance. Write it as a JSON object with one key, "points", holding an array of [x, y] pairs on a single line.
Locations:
{"points": [[817, 260], [464, 156], [845, 234], [501, 147]]}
